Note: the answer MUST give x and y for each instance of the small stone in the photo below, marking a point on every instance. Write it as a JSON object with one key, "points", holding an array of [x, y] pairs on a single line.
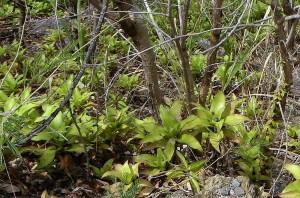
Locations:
{"points": [[225, 190], [239, 191], [12, 189], [235, 183]]}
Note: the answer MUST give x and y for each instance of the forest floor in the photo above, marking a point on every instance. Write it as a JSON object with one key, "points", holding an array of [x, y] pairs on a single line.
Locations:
{"points": [[77, 182]]}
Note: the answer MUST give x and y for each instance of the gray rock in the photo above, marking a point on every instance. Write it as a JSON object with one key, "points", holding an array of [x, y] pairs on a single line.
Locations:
{"points": [[225, 190], [220, 186], [235, 183], [239, 191]]}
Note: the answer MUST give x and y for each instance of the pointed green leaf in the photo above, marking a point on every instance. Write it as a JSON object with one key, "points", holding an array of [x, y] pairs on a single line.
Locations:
{"points": [[215, 139], [147, 159], [291, 194], [150, 126], [77, 148], [170, 148], [135, 169], [193, 121], [46, 136], [175, 110], [168, 120], [195, 185], [235, 119], [197, 166], [183, 161], [112, 173], [204, 113], [176, 174], [294, 169], [218, 105], [292, 187], [219, 125], [47, 157], [190, 141], [161, 158], [152, 137]]}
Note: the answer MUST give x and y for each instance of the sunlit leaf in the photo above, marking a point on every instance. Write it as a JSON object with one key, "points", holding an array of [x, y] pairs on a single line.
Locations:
{"points": [[182, 159], [190, 141], [170, 148], [235, 119], [195, 185], [176, 174], [218, 105], [294, 169], [168, 120], [293, 187], [193, 121], [215, 139], [47, 157], [197, 166], [175, 110]]}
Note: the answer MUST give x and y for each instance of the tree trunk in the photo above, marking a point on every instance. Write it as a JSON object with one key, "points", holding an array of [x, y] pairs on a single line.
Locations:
{"points": [[212, 55], [285, 41], [133, 23]]}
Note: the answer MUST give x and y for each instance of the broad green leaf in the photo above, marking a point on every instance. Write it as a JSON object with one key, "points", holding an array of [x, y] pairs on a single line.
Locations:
{"points": [[235, 119], [168, 120], [150, 126], [176, 174], [197, 166], [47, 157], [152, 137], [218, 105], [226, 111], [215, 139], [10, 105], [291, 194], [292, 187], [195, 185], [190, 141], [26, 93], [183, 161], [77, 148], [135, 169], [127, 173], [219, 124], [193, 121], [113, 173], [147, 159], [58, 122], [245, 167], [106, 167], [3, 96], [294, 169], [161, 158], [46, 136], [203, 113], [175, 110], [170, 148]]}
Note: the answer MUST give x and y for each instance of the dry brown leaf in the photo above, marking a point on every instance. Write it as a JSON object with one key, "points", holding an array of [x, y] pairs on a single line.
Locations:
{"points": [[65, 162]]}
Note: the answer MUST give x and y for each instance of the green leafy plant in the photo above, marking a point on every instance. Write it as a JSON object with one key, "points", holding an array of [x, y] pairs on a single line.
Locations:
{"points": [[220, 120], [127, 174], [293, 189], [253, 160], [172, 130], [187, 171], [128, 82]]}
